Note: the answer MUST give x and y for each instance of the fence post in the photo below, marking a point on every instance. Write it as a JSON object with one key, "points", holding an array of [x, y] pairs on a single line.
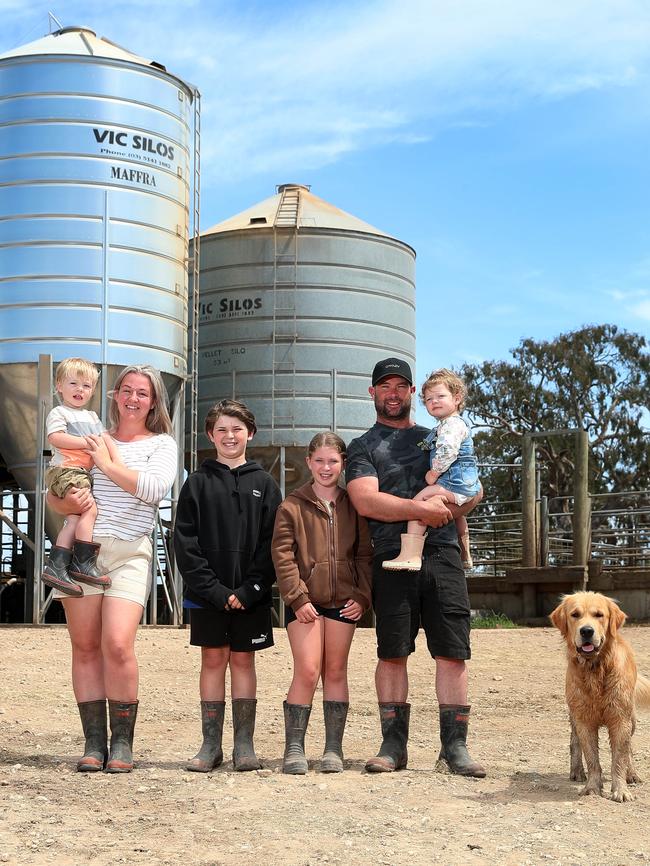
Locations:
{"points": [[528, 533], [528, 527], [581, 504]]}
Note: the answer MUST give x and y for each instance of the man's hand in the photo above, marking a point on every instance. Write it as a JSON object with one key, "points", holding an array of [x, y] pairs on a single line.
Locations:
{"points": [[435, 512]]}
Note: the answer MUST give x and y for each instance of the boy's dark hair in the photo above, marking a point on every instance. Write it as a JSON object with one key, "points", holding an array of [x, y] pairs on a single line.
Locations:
{"points": [[233, 408]]}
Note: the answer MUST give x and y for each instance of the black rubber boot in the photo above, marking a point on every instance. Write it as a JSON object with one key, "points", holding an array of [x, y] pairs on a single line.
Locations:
{"points": [[243, 724], [296, 719], [84, 564], [93, 721], [122, 716], [55, 573], [335, 714], [392, 754], [453, 736], [210, 755]]}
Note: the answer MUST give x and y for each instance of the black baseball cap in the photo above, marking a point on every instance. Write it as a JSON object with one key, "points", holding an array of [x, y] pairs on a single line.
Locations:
{"points": [[392, 367]]}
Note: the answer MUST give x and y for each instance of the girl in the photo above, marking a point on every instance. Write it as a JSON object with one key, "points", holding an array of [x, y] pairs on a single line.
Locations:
{"points": [[454, 471], [322, 557]]}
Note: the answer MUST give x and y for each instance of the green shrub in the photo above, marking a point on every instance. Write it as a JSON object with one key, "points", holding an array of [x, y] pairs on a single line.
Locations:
{"points": [[491, 619]]}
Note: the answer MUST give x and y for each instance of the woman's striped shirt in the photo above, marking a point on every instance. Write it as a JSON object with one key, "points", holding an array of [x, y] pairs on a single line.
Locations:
{"points": [[121, 515]]}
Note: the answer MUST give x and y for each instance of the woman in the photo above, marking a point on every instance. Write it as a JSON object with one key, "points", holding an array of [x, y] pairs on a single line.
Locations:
{"points": [[135, 466], [322, 556]]}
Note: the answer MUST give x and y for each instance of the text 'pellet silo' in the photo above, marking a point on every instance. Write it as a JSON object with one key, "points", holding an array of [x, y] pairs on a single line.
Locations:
{"points": [[299, 300]]}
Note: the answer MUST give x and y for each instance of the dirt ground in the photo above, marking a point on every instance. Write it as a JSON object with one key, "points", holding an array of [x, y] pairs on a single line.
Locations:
{"points": [[525, 812]]}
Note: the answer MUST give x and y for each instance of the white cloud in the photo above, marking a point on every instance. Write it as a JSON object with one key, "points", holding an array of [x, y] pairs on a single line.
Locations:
{"points": [[642, 310], [290, 87]]}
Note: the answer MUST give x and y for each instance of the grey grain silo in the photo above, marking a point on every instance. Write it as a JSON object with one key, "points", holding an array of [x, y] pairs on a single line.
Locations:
{"points": [[96, 162], [299, 300]]}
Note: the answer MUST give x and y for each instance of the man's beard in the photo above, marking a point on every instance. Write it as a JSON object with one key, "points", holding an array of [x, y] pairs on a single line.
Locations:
{"points": [[397, 414]]}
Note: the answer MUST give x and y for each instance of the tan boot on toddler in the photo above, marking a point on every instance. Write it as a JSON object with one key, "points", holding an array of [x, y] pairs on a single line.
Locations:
{"points": [[409, 557], [465, 552]]}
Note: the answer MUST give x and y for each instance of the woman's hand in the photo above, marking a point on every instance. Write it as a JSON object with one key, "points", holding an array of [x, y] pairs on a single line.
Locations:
{"points": [[352, 610], [108, 460], [76, 501], [307, 613], [100, 451], [113, 450]]}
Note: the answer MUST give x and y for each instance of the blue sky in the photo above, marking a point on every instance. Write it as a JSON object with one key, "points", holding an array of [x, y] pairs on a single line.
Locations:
{"points": [[506, 141]]}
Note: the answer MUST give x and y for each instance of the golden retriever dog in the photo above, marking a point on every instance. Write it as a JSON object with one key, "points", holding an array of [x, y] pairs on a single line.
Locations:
{"points": [[602, 687]]}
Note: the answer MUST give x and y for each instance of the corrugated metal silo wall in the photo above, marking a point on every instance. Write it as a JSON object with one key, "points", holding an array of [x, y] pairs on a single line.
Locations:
{"points": [[94, 169], [349, 300]]}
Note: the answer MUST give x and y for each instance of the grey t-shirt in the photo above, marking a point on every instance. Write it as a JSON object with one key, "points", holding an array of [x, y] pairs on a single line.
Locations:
{"points": [[393, 457]]}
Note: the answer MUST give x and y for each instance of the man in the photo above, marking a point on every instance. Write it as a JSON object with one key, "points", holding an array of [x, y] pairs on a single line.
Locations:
{"points": [[385, 469]]}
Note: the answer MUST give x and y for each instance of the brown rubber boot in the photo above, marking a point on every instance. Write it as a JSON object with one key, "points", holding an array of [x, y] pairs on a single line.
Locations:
{"points": [[392, 754], [210, 754], [335, 714], [55, 572], [296, 719], [410, 556], [243, 724], [465, 551], [122, 716], [93, 721], [453, 736], [84, 565]]}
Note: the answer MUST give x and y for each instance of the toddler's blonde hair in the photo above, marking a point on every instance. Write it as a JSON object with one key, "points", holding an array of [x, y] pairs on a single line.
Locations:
{"points": [[448, 378], [76, 367]]}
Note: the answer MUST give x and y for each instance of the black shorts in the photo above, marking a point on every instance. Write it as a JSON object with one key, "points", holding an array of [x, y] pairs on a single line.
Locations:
{"points": [[243, 631], [327, 612], [434, 598]]}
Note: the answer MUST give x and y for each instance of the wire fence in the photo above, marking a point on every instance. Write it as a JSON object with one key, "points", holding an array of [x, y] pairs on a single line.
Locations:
{"points": [[620, 532], [620, 539]]}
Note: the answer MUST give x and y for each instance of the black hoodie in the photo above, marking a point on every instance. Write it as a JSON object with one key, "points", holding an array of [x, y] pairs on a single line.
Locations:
{"points": [[222, 535]]}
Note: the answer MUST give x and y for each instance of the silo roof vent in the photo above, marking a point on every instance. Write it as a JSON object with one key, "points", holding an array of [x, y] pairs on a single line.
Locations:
{"points": [[285, 186], [74, 30]]}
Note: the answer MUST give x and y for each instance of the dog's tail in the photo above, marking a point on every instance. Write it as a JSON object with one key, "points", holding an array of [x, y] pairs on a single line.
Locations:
{"points": [[642, 692]]}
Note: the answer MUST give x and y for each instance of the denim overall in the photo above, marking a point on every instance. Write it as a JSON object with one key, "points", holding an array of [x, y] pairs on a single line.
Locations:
{"points": [[462, 475]]}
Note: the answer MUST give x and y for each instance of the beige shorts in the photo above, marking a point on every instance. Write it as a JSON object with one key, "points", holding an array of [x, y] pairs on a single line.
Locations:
{"points": [[58, 479], [128, 563]]}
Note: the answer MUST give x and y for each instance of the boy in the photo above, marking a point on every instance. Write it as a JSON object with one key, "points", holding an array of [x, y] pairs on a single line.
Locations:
{"points": [[74, 556], [222, 540]]}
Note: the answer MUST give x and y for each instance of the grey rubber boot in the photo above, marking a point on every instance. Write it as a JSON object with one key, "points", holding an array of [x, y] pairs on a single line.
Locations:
{"points": [[84, 564], [93, 722], [392, 753], [453, 736], [55, 572], [335, 714], [243, 724], [122, 717], [210, 755], [296, 719]]}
